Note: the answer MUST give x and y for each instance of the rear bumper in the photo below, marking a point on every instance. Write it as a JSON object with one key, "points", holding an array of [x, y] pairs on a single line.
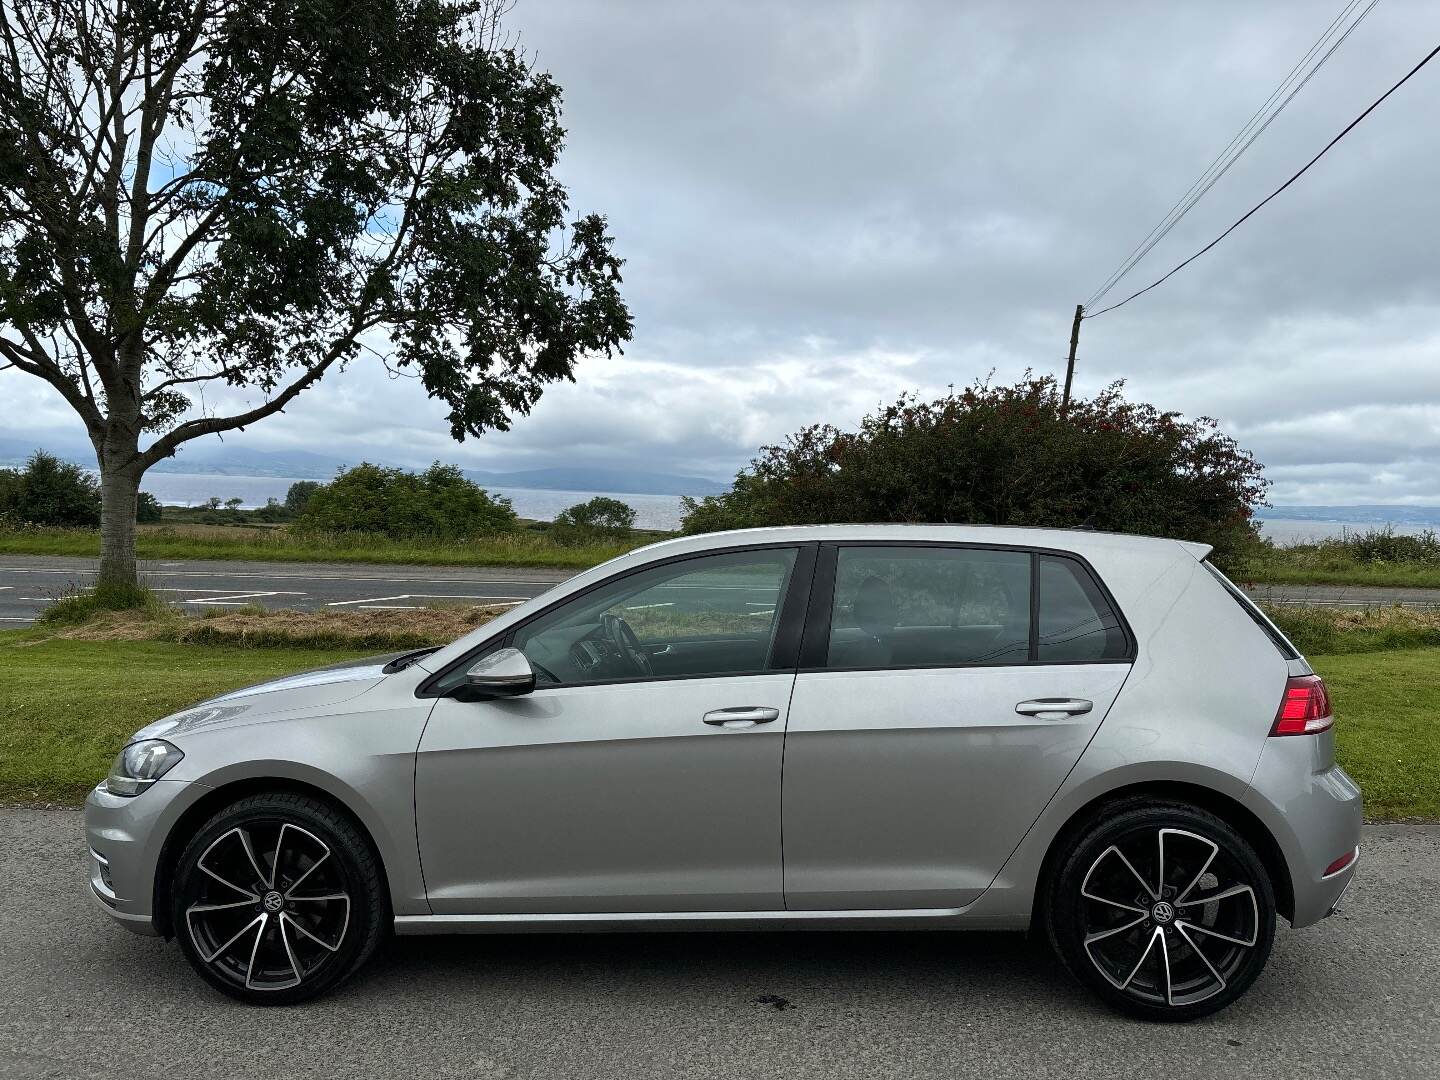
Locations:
{"points": [[1314, 811]]}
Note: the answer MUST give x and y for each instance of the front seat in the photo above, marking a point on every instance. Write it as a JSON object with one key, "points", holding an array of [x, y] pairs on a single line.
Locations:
{"points": [[871, 642]]}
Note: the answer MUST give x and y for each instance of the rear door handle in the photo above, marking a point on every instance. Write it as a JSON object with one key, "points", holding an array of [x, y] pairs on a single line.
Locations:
{"points": [[742, 717], [1054, 708]]}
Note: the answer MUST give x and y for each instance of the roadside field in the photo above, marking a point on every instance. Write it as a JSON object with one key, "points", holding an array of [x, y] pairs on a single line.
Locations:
{"points": [[521, 547], [67, 705]]}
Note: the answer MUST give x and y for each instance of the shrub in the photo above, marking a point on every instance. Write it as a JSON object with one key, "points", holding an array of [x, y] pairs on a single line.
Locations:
{"points": [[272, 513], [1387, 546], [49, 491], [600, 516], [299, 494], [439, 502], [1004, 455], [147, 509]]}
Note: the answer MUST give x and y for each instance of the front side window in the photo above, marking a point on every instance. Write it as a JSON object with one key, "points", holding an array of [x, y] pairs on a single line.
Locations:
{"points": [[712, 615], [919, 606]]}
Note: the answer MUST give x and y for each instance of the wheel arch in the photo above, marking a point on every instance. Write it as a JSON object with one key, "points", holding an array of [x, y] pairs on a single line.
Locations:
{"points": [[193, 819], [1231, 811]]}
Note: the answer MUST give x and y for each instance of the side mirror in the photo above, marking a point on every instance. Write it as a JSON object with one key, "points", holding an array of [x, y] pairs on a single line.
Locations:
{"points": [[502, 674]]}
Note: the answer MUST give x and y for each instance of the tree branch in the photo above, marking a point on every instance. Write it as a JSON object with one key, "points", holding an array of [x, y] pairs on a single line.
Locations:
{"points": [[35, 361]]}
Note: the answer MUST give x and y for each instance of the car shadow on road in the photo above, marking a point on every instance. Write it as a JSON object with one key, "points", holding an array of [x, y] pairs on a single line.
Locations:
{"points": [[781, 969]]}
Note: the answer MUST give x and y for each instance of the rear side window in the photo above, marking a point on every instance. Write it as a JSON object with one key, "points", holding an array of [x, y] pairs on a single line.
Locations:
{"points": [[923, 606], [1076, 621], [1288, 651]]}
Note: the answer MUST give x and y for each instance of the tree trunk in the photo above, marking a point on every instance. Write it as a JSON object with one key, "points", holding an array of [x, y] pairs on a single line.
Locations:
{"points": [[119, 496]]}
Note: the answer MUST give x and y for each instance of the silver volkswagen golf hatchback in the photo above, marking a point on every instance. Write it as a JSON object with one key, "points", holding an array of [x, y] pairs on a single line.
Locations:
{"points": [[1094, 736]]}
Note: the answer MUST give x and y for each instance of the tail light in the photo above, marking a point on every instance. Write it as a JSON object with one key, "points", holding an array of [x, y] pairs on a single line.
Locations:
{"points": [[1305, 708]]}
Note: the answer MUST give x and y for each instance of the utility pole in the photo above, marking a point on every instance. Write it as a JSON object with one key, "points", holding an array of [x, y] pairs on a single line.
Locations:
{"points": [[1070, 361]]}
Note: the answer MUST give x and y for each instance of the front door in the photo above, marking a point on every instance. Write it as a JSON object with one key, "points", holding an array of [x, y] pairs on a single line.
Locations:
{"points": [[643, 773], [945, 692]]}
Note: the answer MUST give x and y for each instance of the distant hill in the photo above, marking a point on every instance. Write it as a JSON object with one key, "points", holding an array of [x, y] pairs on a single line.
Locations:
{"points": [[222, 460], [619, 481]]}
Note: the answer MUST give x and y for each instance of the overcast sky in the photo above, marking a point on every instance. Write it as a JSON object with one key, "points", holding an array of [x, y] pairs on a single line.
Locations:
{"points": [[822, 204]]}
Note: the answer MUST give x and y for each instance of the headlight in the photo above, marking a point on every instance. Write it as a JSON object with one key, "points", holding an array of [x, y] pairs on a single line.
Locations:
{"points": [[139, 765]]}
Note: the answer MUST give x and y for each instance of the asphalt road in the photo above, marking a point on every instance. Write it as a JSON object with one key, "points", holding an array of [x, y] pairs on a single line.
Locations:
{"points": [[28, 583], [1355, 997]]}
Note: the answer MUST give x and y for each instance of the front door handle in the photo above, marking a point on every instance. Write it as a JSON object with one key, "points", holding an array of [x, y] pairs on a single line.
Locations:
{"points": [[1054, 708], [742, 717]]}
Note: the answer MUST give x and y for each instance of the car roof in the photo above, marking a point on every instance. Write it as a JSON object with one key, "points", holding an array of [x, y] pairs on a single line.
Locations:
{"points": [[1079, 541]]}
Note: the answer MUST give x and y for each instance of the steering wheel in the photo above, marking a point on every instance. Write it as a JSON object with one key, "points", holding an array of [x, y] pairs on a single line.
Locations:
{"points": [[618, 632]]}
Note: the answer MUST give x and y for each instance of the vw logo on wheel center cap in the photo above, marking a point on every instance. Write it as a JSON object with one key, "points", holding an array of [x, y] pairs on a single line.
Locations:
{"points": [[1162, 912], [273, 901]]}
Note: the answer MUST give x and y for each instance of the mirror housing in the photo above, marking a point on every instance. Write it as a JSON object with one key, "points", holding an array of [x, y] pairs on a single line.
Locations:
{"points": [[502, 674]]}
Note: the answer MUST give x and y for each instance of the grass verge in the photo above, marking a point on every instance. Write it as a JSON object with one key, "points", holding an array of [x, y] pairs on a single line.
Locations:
{"points": [[1380, 557], [522, 547], [1387, 733], [1328, 630], [256, 628], [66, 707]]}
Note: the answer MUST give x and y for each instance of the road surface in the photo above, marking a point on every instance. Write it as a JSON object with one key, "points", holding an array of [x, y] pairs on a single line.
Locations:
{"points": [[1355, 997], [28, 583]]}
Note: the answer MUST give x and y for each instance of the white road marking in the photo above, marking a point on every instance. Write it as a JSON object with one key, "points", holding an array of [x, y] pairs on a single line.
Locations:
{"points": [[277, 592], [15, 618], [380, 603], [290, 574], [228, 599]]}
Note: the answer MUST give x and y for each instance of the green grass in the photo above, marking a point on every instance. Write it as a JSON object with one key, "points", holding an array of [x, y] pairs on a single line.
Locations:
{"points": [[1328, 630], [522, 547], [1387, 730], [66, 707], [1279, 571], [82, 605], [1371, 557]]}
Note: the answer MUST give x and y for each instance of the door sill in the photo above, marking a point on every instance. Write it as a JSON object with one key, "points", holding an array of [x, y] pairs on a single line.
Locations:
{"points": [[666, 920]]}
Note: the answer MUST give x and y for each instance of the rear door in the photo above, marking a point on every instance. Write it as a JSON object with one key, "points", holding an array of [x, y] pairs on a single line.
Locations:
{"points": [[945, 691]]}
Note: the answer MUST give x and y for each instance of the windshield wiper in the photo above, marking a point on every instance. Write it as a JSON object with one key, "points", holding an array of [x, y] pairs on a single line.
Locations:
{"points": [[404, 660]]}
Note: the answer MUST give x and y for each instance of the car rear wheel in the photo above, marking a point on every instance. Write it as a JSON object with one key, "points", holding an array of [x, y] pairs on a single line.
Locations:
{"points": [[277, 899], [1164, 910]]}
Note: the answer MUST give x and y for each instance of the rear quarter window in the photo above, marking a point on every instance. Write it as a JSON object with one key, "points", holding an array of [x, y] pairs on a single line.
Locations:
{"points": [[1077, 624]]}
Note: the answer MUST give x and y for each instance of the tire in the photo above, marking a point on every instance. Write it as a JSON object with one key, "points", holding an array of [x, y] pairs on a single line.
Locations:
{"points": [[269, 936], [1186, 952]]}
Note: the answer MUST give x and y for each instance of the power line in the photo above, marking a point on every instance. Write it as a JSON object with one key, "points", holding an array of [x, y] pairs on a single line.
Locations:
{"points": [[1253, 128], [1136, 253], [1252, 211]]}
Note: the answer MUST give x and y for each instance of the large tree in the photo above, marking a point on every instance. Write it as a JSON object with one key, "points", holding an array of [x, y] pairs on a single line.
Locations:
{"points": [[248, 193]]}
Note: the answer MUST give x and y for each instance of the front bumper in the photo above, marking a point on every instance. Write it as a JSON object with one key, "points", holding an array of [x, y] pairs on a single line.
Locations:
{"points": [[126, 835]]}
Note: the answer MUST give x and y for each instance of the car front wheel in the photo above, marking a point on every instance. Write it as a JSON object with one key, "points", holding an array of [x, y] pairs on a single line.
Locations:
{"points": [[1164, 910], [277, 899]]}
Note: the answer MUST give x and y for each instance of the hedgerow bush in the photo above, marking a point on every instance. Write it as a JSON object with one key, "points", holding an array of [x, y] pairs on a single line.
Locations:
{"points": [[1004, 455]]}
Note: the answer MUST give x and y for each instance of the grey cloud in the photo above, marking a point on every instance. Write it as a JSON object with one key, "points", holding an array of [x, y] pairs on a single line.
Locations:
{"points": [[823, 203]]}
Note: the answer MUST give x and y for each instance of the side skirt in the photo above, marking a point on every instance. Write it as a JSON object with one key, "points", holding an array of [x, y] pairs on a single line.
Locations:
{"points": [[644, 921]]}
